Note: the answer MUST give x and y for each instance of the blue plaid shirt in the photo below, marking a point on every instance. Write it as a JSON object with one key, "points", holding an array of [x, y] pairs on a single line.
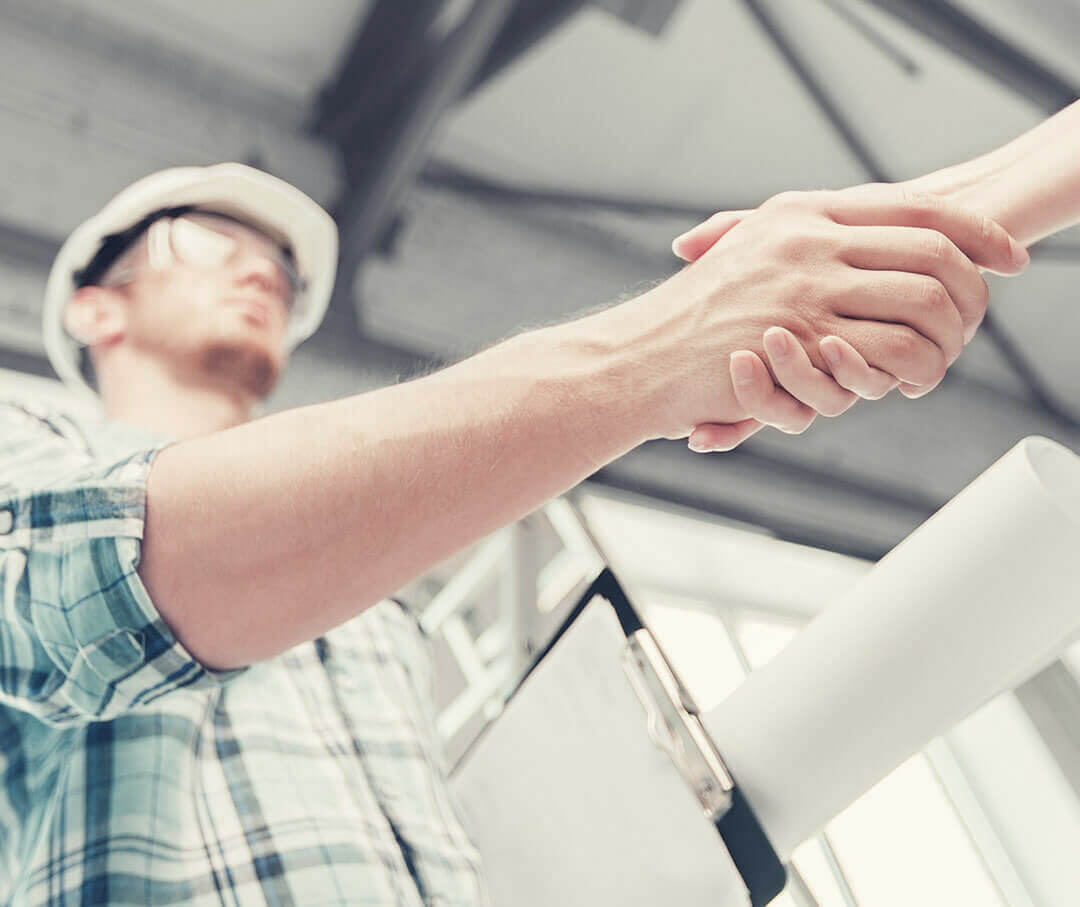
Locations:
{"points": [[131, 774]]}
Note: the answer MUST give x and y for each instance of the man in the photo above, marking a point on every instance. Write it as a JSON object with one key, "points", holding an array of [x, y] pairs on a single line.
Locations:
{"points": [[192, 709]]}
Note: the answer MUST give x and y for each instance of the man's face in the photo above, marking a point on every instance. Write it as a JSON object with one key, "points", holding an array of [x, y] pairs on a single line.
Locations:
{"points": [[211, 297]]}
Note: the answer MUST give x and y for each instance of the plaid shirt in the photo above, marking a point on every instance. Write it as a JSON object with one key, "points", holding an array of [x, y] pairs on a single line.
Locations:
{"points": [[130, 774]]}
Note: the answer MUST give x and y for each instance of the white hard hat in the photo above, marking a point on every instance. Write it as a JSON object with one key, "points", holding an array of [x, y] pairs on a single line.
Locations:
{"points": [[278, 208]]}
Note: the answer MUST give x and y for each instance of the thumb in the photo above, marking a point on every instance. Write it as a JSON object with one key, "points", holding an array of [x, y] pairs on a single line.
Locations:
{"points": [[712, 436], [694, 243]]}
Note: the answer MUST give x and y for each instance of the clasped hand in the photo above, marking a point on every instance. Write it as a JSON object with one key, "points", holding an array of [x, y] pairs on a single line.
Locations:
{"points": [[879, 287]]}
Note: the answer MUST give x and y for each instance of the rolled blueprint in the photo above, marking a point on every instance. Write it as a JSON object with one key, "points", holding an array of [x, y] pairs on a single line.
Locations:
{"points": [[975, 601]]}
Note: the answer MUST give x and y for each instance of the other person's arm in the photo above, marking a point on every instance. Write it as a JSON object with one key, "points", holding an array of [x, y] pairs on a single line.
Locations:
{"points": [[1031, 186]]}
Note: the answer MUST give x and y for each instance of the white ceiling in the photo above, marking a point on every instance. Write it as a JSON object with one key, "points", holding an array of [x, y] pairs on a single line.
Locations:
{"points": [[708, 114], [711, 115], [289, 47]]}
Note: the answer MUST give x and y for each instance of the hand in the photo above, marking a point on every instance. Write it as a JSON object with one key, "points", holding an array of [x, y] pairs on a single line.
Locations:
{"points": [[802, 392], [811, 390], [890, 272]]}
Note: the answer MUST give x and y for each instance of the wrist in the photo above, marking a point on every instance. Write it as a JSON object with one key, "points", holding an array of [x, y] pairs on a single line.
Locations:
{"points": [[960, 180], [587, 367], [658, 353]]}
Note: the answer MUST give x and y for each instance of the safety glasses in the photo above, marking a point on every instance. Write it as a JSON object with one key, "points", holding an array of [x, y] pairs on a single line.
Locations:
{"points": [[207, 241]]}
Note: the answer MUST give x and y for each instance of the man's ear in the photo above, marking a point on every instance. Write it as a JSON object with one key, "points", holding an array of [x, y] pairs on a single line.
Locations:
{"points": [[95, 316]]}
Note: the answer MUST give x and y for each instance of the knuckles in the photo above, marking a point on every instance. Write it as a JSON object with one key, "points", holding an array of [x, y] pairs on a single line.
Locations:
{"points": [[919, 207], [789, 199], [903, 345], [923, 363], [934, 297], [938, 249]]}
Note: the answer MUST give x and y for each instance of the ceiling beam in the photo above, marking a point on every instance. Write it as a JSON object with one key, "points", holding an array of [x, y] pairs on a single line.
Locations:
{"points": [[1064, 253], [648, 15], [26, 247], [529, 23], [381, 164], [796, 503], [385, 53], [968, 37], [869, 32], [30, 363], [802, 68]]}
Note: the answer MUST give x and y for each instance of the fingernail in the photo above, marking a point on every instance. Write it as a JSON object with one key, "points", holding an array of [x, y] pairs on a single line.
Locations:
{"points": [[777, 343], [830, 351], [742, 367], [1021, 258], [698, 446]]}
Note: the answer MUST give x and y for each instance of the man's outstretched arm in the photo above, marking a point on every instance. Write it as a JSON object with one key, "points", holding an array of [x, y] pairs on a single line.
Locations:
{"points": [[268, 534]]}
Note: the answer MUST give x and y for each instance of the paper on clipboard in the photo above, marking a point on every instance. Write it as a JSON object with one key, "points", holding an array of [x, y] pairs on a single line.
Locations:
{"points": [[571, 803]]}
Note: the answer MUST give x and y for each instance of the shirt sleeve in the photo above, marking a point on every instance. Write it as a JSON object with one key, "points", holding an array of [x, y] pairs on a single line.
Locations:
{"points": [[80, 639]]}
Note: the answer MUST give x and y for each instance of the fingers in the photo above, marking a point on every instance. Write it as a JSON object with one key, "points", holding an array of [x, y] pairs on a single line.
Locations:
{"points": [[762, 400], [898, 350], [694, 243], [981, 239], [927, 252], [794, 371], [805, 390], [851, 371], [914, 391], [711, 437], [916, 300]]}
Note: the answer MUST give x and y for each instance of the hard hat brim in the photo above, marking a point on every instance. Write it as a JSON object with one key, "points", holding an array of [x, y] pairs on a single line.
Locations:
{"points": [[274, 206]]}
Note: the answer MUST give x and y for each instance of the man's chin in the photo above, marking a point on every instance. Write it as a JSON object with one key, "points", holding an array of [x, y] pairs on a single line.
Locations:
{"points": [[247, 366]]}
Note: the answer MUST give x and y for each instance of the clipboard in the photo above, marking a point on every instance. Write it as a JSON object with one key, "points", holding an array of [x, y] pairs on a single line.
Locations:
{"points": [[599, 784]]}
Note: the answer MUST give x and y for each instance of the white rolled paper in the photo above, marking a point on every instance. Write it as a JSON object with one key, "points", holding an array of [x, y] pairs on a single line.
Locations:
{"points": [[979, 598]]}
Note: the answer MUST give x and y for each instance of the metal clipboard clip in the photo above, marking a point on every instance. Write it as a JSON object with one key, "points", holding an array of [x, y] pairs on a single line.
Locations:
{"points": [[674, 724]]}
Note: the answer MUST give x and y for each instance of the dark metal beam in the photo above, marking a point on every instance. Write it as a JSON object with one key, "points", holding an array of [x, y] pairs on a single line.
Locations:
{"points": [[802, 67], [873, 35], [383, 56], [379, 173], [529, 23], [1016, 359], [1056, 252], [27, 247], [782, 497], [968, 37], [649, 15], [31, 363]]}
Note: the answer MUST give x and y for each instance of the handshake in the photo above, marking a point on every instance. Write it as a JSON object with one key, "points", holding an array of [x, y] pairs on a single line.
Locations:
{"points": [[812, 301]]}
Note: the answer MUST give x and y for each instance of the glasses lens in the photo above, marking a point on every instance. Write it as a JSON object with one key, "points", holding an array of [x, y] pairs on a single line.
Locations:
{"points": [[197, 244], [209, 241]]}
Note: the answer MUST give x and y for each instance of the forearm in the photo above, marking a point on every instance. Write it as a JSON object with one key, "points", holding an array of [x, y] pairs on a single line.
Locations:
{"points": [[1031, 186], [269, 534]]}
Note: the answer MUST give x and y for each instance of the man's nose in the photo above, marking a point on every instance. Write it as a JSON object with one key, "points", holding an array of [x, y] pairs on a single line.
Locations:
{"points": [[260, 272]]}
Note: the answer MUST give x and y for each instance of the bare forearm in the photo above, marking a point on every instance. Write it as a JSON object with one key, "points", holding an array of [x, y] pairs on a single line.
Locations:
{"points": [[266, 535], [1031, 186]]}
